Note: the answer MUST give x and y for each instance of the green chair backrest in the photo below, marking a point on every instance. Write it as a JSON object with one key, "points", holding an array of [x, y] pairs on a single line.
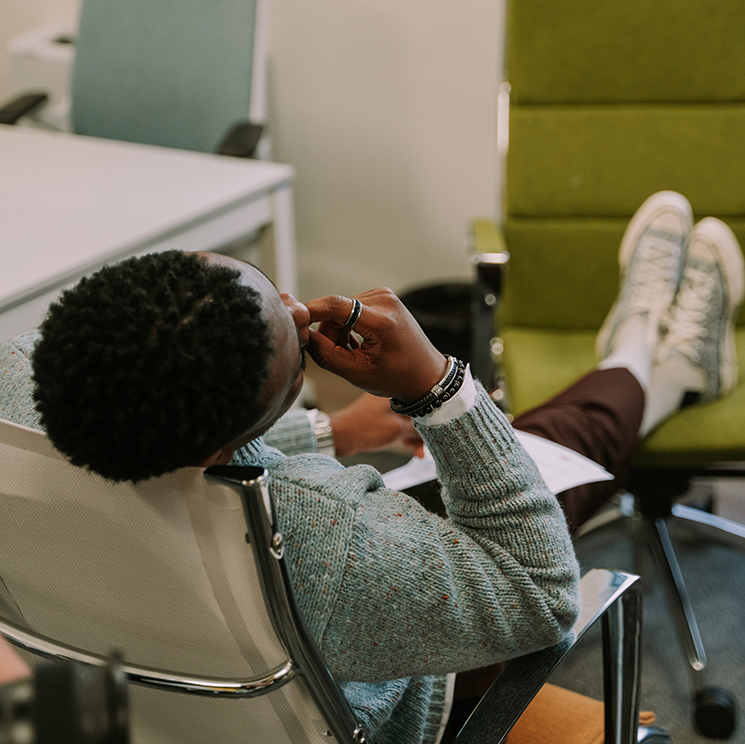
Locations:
{"points": [[164, 72], [611, 102]]}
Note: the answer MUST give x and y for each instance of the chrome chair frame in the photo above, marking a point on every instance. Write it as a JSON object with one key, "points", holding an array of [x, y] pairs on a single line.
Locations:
{"points": [[652, 537], [304, 659], [612, 596]]}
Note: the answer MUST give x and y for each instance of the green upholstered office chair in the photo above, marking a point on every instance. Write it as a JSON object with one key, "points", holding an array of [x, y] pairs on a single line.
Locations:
{"points": [[609, 103], [176, 73]]}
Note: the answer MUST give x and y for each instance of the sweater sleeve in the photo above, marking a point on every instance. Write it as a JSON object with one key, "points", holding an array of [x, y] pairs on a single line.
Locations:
{"points": [[418, 595], [16, 382], [292, 434]]}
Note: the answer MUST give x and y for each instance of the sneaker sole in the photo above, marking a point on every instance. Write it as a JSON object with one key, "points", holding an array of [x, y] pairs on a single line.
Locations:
{"points": [[718, 235], [655, 206]]}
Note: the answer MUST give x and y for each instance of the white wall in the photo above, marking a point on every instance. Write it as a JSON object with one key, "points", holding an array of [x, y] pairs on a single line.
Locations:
{"points": [[20, 15], [387, 110]]}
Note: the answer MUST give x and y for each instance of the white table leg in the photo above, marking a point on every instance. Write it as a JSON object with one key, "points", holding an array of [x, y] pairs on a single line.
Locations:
{"points": [[283, 233]]}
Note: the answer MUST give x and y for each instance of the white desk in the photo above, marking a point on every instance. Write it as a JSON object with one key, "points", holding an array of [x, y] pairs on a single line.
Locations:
{"points": [[70, 204]]}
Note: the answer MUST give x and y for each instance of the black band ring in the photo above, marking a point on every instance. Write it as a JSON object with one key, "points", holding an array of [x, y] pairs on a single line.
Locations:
{"points": [[354, 316]]}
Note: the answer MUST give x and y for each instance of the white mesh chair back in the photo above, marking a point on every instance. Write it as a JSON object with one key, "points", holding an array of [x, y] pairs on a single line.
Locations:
{"points": [[161, 571]]}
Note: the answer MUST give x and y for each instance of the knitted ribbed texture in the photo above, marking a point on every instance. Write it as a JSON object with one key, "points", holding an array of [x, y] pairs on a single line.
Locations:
{"points": [[395, 596], [17, 403], [292, 434], [390, 591]]}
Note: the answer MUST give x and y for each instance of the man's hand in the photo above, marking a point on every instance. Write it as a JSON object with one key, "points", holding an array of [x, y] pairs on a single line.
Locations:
{"points": [[395, 358], [368, 424]]}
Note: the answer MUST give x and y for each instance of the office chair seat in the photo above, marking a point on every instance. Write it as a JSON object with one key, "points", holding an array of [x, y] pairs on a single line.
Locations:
{"points": [[699, 436]]}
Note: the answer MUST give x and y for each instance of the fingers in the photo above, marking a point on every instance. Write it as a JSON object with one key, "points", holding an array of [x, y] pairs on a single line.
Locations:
{"points": [[379, 306], [348, 361], [416, 446], [395, 358], [334, 309]]}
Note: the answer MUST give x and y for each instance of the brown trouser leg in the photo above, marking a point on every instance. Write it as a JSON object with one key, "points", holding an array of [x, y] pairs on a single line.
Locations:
{"points": [[599, 417]]}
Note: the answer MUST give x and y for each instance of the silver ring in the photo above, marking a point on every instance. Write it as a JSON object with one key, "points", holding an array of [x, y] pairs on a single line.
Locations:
{"points": [[354, 316]]}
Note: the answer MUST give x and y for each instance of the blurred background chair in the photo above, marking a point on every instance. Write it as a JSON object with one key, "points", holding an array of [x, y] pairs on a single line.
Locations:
{"points": [[182, 74], [190, 75], [608, 103]]}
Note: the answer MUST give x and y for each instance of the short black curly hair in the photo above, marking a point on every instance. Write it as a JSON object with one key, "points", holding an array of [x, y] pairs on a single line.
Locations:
{"points": [[151, 364]]}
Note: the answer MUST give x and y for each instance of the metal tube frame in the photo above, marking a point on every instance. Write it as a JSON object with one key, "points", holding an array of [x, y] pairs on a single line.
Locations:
{"points": [[304, 659], [614, 596], [158, 679], [622, 667], [268, 549]]}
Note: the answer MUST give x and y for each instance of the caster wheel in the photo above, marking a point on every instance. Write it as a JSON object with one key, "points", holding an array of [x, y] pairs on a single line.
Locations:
{"points": [[715, 712]]}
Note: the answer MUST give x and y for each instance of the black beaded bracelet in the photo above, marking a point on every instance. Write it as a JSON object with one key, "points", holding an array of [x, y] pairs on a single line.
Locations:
{"points": [[445, 389]]}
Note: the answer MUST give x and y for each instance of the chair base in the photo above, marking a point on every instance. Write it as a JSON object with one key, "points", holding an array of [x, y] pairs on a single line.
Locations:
{"points": [[714, 707], [714, 712], [652, 735]]}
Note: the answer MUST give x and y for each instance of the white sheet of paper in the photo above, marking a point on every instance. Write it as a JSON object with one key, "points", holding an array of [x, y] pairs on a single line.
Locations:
{"points": [[560, 467]]}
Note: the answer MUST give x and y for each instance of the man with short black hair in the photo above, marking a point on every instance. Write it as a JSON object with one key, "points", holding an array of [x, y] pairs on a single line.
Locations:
{"points": [[204, 356], [397, 598]]}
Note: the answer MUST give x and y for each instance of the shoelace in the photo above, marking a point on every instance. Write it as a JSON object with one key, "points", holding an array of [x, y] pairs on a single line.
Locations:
{"points": [[654, 274], [687, 320]]}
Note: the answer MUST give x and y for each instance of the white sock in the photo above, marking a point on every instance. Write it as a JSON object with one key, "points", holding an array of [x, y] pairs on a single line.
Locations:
{"points": [[669, 382], [634, 347]]}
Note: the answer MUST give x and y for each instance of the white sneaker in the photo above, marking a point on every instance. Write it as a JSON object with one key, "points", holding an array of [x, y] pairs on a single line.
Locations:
{"points": [[698, 351], [651, 258]]}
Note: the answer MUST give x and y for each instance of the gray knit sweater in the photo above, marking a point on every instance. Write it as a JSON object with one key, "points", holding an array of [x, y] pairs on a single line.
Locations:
{"points": [[395, 596]]}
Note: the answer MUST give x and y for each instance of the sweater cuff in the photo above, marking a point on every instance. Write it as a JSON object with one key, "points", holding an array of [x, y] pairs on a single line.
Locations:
{"points": [[459, 404]]}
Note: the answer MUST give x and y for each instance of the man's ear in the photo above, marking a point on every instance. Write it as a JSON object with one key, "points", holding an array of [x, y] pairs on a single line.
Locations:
{"points": [[221, 457]]}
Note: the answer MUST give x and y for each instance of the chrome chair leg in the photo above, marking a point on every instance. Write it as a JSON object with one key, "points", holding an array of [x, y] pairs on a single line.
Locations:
{"points": [[714, 707], [678, 599], [622, 509], [652, 735], [712, 524], [622, 627]]}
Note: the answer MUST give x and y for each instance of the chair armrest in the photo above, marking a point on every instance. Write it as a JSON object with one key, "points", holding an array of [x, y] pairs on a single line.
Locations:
{"points": [[485, 236], [613, 596], [241, 140], [24, 104]]}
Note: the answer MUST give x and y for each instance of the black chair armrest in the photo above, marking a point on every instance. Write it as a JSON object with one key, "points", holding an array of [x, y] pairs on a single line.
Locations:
{"points": [[241, 140], [24, 104]]}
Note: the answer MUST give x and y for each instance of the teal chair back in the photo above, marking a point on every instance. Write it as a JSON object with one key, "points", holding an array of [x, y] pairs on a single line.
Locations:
{"points": [[175, 73], [611, 102]]}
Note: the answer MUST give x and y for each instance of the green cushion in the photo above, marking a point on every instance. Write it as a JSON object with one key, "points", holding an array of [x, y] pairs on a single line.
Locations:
{"points": [[588, 50], [606, 160], [611, 102], [539, 364], [563, 273]]}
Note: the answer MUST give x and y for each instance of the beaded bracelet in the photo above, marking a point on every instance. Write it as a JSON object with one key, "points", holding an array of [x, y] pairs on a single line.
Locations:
{"points": [[445, 389]]}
